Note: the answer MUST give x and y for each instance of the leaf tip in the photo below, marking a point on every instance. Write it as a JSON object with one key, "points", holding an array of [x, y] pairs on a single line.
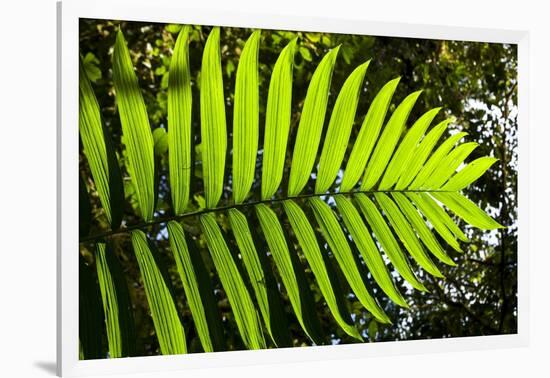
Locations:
{"points": [[363, 67], [120, 35], [416, 94]]}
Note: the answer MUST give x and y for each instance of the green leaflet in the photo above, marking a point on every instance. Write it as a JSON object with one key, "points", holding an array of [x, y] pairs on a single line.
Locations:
{"points": [[339, 129], [333, 234], [277, 121], [255, 264], [368, 134], [213, 126], [290, 271], [449, 165], [437, 217], [245, 119], [467, 210], [421, 228], [243, 308], [445, 218], [168, 327], [90, 319], [406, 234], [387, 240], [308, 242], [179, 123], [198, 289], [469, 174], [420, 155], [311, 124], [136, 130], [98, 148], [434, 161], [404, 152], [362, 238], [117, 308], [387, 142]]}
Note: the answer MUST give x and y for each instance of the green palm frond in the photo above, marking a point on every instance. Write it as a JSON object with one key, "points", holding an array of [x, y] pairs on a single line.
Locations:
{"points": [[388, 191]]}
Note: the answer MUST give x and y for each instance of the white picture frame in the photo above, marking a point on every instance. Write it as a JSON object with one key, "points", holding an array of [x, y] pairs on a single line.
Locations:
{"points": [[69, 12]]}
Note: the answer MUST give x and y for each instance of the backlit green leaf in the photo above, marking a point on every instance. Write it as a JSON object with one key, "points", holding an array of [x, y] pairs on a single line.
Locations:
{"points": [[308, 242], [290, 271], [277, 121], [368, 134], [245, 119], [387, 142], [258, 274], [421, 153], [421, 228], [179, 122], [213, 126], [311, 124], [362, 238], [339, 129], [435, 215], [449, 165], [98, 148], [387, 240], [433, 162], [158, 290], [135, 128], [198, 289], [406, 234], [243, 308], [406, 149], [469, 174], [117, 307], [467, 210], [333, 234]]}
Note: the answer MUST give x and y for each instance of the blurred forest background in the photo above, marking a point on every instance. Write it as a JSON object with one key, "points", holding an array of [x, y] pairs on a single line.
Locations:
{"points": [[474, 82]]}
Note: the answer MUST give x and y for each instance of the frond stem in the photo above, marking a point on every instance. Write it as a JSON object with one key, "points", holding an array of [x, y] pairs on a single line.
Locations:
{"points": [[167, 219]]}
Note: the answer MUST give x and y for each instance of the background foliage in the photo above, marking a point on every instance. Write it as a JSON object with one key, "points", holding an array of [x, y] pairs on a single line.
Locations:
{"points": [[474, 82]]}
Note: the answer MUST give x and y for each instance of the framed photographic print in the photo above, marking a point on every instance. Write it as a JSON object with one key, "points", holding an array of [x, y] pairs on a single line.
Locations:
{"points": [[253, 186]]}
